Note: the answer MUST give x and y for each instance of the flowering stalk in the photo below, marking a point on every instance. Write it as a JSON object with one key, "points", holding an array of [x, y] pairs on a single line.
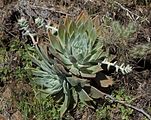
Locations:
{"points": [[39, 22], [122, 68]]}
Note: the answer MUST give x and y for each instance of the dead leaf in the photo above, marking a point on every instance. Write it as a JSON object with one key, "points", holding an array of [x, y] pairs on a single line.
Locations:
{"points": [[107, 82]]}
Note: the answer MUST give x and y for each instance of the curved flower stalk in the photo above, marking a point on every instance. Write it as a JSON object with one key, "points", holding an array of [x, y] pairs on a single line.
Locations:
{"points": [[23, 24], [122, 68], [39, 22]]}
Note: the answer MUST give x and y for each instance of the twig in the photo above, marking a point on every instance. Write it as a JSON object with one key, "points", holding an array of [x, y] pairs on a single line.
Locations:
{"points": [[5, 29], [49, 9], [126, 9], [128, 105], [132, 14]]}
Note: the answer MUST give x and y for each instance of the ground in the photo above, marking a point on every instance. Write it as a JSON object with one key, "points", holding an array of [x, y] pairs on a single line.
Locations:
{"points": [[18, 100]]}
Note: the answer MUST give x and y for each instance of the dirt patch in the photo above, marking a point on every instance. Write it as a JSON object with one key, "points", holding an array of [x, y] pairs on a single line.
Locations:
{"points": [[17, 116]]}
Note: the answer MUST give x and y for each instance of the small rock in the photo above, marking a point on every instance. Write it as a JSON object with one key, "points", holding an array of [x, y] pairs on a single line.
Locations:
{"points": [[17, 116], [7, 93], [2, 117]]}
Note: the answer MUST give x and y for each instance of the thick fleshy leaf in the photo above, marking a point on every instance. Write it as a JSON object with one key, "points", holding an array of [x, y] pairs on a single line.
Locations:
{"points": [[93, 37], [61, 33], [48, 61], [81, 29], [35, 60], [84, 69], [40, 73], [94, 69], [67, 23], [89, 25], [49, 82], [74, 70], [75, 81], [82, 17], [72, 28], [55, 43], [84, 96], [63, 58], [61, 70], [75, 98], [73, 59], [67, 43], [97, 55], [66, 102], [85, 75], [94, 93], [89, 55], [51, 91], [96, 21], [42, 65]]}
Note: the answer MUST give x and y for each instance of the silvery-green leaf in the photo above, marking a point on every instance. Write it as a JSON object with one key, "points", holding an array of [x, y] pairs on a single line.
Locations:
{"points": [[84, 96], [55, 43], [44, 56], [61, 33], [75, 97], [95, 69], [74, 70], [74, 81], [49, 82], [66, 102], [95, 93], [64, 59], [51, 91], [85, 75], [72, 28]]}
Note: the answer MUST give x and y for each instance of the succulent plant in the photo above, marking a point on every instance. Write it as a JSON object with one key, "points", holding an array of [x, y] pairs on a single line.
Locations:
{"points": [[70, 62], [77, 46]]}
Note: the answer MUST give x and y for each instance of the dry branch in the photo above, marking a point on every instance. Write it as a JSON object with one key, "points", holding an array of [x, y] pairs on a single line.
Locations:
{"points": [[128, 105]]}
